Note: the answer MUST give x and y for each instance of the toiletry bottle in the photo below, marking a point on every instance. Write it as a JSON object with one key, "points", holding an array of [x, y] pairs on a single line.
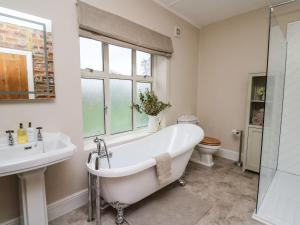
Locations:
{"points": [[22, 136], [30, 133]]}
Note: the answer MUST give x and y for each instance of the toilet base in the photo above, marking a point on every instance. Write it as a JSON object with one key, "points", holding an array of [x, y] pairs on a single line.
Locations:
{"points": [[202, 158], [206, 159]]}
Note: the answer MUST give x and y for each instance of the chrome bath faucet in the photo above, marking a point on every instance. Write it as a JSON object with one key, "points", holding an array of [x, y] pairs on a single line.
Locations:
{"points": [[102, 150]]}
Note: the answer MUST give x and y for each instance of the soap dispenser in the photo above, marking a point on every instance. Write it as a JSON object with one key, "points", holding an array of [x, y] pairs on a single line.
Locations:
{"points": [[30, 133], [21, 135]]}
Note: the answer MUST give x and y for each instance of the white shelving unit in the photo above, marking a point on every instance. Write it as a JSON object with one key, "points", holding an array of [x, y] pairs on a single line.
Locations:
{"points": [[254, 122]]}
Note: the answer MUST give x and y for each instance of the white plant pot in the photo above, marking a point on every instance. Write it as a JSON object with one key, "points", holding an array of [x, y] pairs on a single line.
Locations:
{"points": [[153, 124]]}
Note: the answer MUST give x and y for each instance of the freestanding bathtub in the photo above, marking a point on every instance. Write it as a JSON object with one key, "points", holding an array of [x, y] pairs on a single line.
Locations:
{"points": [[132, 175]]}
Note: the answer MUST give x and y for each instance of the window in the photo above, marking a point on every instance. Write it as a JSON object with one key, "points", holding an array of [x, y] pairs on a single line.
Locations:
{"points": [[93, 106], [141, 119], [143, 63], [111, 79], [91, 54], [120, 92], [120, 60]]}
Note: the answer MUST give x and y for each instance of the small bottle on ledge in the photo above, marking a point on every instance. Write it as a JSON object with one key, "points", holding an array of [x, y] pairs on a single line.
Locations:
{"points": [[21, 135]]}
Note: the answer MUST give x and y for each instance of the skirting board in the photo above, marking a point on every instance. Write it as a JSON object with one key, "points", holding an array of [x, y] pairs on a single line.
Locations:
{"points": [[228, 154], [61, 207], [11, 222], [259, 219]]}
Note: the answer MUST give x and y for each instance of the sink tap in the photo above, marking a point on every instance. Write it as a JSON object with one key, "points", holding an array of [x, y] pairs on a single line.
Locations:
{"points": [[11, 141], [102, 150], [39, 134]]}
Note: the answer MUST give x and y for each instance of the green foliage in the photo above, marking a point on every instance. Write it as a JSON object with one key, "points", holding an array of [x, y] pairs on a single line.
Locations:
{"points": [[260, 91], [149, 104]]}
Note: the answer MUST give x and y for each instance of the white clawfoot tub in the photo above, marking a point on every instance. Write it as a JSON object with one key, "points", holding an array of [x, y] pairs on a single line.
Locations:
{"points": [[132, 175]]}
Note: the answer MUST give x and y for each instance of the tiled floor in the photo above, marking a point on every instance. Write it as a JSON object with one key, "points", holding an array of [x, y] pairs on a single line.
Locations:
{"points": [[231, 193]]}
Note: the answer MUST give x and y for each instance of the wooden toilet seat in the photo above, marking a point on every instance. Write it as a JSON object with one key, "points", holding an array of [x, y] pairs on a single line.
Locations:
{"points": [[210, 141]]}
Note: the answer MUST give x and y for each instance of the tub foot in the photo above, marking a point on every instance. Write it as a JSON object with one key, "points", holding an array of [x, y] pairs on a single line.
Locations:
{"points": [[181, 182], [120, 213], [120, 216]]}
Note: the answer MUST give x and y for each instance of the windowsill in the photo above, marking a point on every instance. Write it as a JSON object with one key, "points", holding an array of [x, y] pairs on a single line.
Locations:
{"points": [[117, 139]]}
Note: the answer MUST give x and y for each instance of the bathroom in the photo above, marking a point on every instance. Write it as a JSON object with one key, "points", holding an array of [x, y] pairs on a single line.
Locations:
{"points": [[225, 66]]}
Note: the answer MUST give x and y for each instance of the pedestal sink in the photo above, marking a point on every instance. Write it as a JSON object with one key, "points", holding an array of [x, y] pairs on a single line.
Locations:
{"points": [[29, 162]]}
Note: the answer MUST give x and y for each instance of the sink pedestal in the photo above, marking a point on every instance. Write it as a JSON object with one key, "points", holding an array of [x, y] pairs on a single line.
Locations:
{"points": [[29, 161], [33, 197]]}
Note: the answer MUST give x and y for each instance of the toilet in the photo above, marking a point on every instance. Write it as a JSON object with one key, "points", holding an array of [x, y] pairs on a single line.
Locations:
{"points": [[206, 148], [204, 151]]}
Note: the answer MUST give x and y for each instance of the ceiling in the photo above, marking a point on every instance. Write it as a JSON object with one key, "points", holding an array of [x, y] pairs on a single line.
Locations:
{"points": [[204, 12]]}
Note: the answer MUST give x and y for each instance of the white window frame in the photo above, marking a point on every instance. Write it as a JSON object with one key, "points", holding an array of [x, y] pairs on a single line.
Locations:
{"points": [[106, 76]]}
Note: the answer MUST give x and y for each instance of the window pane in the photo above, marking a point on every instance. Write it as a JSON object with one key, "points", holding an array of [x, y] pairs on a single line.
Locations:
{"points": [[143, 63], [93, 107], [90, 54], [141, 118], [121, 105], [120, 60]]}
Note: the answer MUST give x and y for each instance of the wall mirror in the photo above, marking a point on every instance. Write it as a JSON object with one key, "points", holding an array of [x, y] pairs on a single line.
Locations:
{"points": [[26, 57]]}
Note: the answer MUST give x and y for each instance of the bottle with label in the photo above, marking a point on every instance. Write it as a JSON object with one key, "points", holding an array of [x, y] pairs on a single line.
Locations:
{"points": [[21, 135], [30, 133]]}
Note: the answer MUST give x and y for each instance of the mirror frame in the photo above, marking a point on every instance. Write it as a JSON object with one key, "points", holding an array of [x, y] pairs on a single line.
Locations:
{"points": [[45, 39]]}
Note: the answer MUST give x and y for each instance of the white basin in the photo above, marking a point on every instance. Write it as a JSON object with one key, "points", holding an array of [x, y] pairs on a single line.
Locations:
{"points": [[30, 161], [55, 148]]}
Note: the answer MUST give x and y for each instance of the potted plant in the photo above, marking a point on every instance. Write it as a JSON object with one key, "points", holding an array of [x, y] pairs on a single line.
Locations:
{"points": [[150, 105], [261, 93]]}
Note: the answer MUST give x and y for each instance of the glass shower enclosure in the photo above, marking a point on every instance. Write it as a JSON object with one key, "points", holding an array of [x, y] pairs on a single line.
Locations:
{"points": [[278, 200]]}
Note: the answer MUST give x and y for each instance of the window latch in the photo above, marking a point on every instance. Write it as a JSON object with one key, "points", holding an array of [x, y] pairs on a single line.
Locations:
{"points": [[90, 70]]}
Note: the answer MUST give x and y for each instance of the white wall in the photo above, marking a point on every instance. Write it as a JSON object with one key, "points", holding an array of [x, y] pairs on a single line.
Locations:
{"points": [[228, 51], [289, 153], [64, 113]]}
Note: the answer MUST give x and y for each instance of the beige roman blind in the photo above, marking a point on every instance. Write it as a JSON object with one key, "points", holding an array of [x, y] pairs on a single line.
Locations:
{"points": [[107, 27]]}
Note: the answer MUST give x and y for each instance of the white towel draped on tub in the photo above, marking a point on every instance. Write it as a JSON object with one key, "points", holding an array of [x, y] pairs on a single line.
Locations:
{"points": [[163, 167]]}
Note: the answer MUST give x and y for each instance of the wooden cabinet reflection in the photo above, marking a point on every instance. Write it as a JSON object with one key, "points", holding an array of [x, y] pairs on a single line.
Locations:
{"points": [[13, 76]]}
